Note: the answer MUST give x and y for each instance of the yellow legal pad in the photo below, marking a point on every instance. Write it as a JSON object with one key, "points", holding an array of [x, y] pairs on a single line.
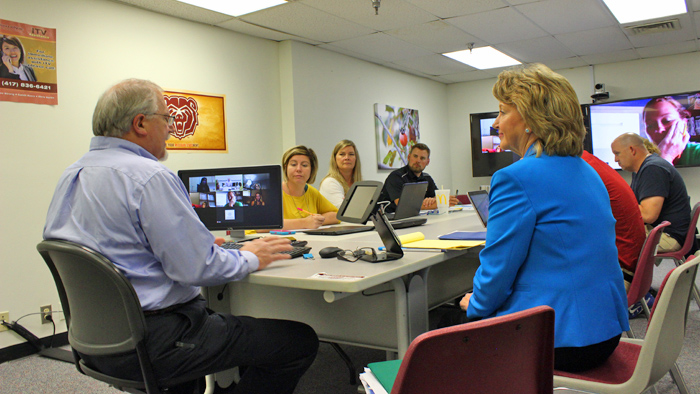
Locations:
{"points": [[417, 241]]}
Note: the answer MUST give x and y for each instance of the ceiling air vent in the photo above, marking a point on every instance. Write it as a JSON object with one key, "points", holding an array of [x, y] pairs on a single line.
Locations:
{"points": [[656, 27]]}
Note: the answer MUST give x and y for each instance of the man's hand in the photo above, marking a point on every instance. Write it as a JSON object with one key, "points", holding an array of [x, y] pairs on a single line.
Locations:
{"points": [[429, 203], [465, 301], [454, 201], [219, 241], [268, 249]]}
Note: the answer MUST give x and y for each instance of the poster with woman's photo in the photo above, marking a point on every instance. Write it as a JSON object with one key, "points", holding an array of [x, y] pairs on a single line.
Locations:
{"points": [[27, 63]]}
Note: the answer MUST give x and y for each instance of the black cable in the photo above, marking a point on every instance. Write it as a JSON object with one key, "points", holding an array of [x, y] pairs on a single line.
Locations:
{"points": [[220, 296]]}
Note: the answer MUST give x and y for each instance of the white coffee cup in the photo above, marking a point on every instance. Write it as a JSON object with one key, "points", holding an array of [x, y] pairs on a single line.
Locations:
{"points": [[443, 200]]}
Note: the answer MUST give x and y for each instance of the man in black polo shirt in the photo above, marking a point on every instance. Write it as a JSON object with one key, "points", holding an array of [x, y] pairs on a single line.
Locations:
{"points": [[659, 189], [418, 159]]}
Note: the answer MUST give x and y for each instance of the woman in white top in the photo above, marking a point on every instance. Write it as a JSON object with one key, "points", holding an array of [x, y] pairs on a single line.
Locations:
{"points": [[344, 170]]}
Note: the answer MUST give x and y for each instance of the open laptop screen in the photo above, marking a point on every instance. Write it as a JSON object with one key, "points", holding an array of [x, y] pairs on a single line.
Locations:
{"points": [[480, 202]]}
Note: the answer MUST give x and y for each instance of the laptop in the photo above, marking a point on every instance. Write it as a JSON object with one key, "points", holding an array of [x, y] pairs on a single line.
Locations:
{"points": [[410, 201], [480, 202]]}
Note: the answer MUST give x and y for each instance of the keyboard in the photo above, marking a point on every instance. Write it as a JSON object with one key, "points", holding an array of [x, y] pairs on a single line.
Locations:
{"points": [[408, 222], [298, 251]]}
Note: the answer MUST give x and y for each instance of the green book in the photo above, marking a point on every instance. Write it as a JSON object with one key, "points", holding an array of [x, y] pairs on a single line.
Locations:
{"points": [[385, 372]]}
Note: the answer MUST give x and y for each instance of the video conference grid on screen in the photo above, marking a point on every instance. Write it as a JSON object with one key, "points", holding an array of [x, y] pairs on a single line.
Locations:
{"points": [[229, 191]]}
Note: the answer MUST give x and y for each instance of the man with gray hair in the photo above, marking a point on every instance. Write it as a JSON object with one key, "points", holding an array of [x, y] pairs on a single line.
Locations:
{"points": [[121, 202], [659, 189]]}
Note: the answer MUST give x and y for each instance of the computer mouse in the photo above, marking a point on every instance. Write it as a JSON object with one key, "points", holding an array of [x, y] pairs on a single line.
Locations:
{"points": [[329, 251]]}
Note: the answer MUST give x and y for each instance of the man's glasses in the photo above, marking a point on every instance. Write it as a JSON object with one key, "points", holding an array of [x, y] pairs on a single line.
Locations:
{"points": [[169, 118]]}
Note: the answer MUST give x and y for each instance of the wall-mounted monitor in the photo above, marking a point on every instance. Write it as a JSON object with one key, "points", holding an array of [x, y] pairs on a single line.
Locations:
{"points": [[236, 198], [487, 154], [671, 121]]}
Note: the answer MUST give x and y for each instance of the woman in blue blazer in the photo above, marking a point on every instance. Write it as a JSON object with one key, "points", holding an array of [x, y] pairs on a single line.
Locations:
{"points": [[551, 233]]}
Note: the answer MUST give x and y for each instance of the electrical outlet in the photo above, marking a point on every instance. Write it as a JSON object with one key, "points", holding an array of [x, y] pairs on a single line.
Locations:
{"points": [[4, 316], [45, 312]]}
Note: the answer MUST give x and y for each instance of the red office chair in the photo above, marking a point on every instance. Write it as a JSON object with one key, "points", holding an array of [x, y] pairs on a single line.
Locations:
{"points": [[637, 364], [680, 255], [506, 354], [644, 273]]}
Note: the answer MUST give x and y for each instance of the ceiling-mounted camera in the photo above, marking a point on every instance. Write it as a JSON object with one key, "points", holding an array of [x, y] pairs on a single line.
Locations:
{"points": [[599, 92]]}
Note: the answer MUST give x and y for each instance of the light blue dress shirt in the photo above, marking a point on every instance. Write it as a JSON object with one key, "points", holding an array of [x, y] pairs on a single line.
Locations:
{"points": [[121, 202]]}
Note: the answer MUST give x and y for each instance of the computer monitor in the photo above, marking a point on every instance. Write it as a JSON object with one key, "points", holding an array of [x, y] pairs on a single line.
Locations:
{"points": [[236, 198]]}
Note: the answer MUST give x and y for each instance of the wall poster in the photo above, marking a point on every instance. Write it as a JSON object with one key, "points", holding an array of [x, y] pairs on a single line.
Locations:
{"points": [[200, 121], [27, 63], [396, 131]]}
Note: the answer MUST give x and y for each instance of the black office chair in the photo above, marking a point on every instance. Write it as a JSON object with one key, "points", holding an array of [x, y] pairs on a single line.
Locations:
{"points": [[103, 313]]}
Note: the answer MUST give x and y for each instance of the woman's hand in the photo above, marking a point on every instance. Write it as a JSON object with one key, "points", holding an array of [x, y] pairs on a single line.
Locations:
{"points": [[674, 142], [7, 62], [313, 221], [464, 304]]}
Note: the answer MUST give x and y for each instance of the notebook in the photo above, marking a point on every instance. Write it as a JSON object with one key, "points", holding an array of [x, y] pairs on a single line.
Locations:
{"points": [[410, 201], [480, 202]]}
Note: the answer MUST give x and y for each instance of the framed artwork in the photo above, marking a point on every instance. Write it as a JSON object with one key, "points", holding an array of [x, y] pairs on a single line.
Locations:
{"points": [[200, 121], [396, 130]]}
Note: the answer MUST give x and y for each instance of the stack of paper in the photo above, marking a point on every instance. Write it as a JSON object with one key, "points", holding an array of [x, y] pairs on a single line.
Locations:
{"points": [[417, 241], [379, 377]]}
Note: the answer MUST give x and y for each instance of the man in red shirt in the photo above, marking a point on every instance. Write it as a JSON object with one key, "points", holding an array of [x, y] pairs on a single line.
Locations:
{"points": [[629, 229]]}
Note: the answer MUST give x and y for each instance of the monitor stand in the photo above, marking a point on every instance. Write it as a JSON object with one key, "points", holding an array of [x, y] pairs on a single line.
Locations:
{"points": [[389, 238], [235, 235]]}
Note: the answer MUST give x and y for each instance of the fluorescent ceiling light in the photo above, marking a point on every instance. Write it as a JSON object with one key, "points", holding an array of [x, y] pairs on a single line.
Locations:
{"points": [[234, 7], [626, 11], [482, 58]]}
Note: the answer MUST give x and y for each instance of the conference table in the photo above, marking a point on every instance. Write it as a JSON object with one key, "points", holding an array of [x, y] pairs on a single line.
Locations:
{"points": [[381, 305]]}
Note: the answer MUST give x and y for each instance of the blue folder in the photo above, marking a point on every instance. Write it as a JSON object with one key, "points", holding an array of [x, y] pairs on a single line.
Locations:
{"points": [[465, 235]]}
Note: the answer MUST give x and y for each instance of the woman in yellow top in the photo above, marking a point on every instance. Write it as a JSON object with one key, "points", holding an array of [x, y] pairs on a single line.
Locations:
{"points": [[303, 205]]}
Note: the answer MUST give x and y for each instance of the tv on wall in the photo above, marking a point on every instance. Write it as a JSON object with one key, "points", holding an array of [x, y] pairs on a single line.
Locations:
{"points": [[671, 121], [487, 153]]}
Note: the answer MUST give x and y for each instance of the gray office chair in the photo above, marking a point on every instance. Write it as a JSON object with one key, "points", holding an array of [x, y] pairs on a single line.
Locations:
{"points": [[103, 313]]}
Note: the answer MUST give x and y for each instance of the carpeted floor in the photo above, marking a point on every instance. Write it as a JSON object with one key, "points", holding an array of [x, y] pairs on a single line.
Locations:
{"points": [[328, 374]]}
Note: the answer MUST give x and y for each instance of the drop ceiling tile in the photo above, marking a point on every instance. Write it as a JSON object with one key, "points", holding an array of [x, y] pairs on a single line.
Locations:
{"points": [[468, 76], [304, 21], [452, 8], [668, 49], [240, 26], [589, 42], [434, 65], [437, 37], [561, 64], [611, 57], [535, 50], [382, 46], [392, 14], [565, 16], [495, 27]]}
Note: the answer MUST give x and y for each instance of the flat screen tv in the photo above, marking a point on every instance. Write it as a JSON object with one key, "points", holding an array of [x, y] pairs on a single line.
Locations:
{"points": [[671, 121], [487, 154], [236, 198]]}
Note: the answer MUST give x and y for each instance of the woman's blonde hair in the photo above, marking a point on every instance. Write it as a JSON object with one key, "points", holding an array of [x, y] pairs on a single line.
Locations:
{"points": [[651, 147], [304, 151], [549, 106], [334, 171]]}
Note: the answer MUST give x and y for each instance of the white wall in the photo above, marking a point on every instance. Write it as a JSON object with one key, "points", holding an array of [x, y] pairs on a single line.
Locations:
{"points": [[639, 78]]}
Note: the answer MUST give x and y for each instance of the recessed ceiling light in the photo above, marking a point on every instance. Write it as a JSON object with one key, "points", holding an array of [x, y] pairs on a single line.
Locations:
{"points": [[483, 58], [234, 7], [626, 11]]}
